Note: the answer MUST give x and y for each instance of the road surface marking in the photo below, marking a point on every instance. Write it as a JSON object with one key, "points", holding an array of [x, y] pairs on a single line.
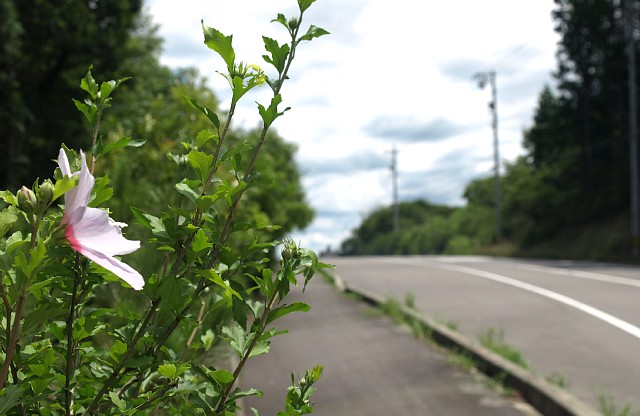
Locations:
{"points": [[595, 312], [581, 274]]}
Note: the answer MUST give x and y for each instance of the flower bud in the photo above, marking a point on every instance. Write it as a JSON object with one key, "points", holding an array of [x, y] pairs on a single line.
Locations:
{"points": [[27, 200], [287, 253], [289, 249], [45, 192], [293, 23]]}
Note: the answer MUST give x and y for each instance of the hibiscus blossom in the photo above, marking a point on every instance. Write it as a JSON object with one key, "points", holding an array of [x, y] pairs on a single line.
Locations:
{"points": [[90, 231]]}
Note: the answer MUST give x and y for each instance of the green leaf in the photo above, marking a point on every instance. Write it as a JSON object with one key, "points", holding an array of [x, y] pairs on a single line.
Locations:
{"points": [[89, 84], [236, 337], [201, 162], [200, 242], [102, 193], [9, 198], [167, 370], [170, 293], [220, 43], [304, 4], [214, 277], [9, 397], [221, 377], [278, 53], [8, 217], [282, 20], [117, 349], [120, 403], [107, 87], [204, 136], [89, 110], [34, 287], [36, 256], [240, 88], [242, 147], [287, 309], [211, 115], [184, 189], [43, 313], [218, 377], [237, 393], [141, 217], [313, 32], [120, 143], [63, 185], [271, 113], [15, 241]]}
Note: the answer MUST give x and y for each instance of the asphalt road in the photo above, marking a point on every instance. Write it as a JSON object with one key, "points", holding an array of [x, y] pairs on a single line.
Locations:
{"points": [[372, 367], [577, 321]]}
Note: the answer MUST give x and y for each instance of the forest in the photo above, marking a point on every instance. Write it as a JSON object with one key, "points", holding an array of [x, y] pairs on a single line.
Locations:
{"points": [[569, 195]]}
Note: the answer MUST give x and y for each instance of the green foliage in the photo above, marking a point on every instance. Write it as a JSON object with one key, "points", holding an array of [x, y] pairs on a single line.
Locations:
{"points": [[47, 48], [424, 229], [73, 342], [298, 400], [494, 340]]}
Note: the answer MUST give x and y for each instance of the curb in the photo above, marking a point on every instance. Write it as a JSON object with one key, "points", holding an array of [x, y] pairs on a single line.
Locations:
{"points": [[546, 398]]}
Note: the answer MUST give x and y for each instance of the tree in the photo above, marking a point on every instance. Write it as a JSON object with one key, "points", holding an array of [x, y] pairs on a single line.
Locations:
{"points": [[583, 128], [47, 47]]}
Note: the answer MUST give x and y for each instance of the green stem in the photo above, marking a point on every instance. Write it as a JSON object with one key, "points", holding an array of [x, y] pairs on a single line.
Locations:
{"points": [[176, 321], [158, 395], [216, 155], [12, 341], [116, 371], [7, 307], [68, 391], [245, 356], [94, 137]]}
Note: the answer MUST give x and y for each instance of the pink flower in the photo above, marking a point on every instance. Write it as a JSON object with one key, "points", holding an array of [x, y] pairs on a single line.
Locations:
{"points": [[90, 231]]}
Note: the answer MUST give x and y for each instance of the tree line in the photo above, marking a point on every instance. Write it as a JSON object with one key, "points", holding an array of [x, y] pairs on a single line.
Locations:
{"points": [[569, 194]]}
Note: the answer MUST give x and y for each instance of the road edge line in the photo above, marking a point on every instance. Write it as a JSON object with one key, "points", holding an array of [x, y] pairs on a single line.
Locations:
{"points": [[546, 398]]}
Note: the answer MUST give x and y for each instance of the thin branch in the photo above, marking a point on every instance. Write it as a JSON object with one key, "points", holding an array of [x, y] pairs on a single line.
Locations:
{"points": [[68, 391], [116, 371], [245, 357]]}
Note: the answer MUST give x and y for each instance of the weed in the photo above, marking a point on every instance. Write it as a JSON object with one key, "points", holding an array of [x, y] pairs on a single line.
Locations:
{"points": [[494, 340], [608, 406], [410, 300], [558, 380]]}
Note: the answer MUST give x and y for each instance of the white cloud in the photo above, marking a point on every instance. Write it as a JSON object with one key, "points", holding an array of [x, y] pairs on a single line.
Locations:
{"points": [[405, 63]]}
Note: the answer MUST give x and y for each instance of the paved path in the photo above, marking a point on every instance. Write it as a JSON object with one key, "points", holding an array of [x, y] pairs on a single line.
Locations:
{"points": [[372, 367]]}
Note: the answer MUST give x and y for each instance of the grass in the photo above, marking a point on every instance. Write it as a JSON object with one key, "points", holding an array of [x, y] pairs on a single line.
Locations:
{"points": [[608, 406], [494, 340], [558, 380]]}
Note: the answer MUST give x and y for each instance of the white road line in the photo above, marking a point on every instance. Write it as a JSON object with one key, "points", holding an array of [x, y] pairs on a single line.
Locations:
{"points": [[596, 313], [582, 274]]}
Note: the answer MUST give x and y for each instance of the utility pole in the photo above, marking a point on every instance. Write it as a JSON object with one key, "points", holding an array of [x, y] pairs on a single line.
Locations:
{"points": [[394, 183], [483, 78], [631, 27]]}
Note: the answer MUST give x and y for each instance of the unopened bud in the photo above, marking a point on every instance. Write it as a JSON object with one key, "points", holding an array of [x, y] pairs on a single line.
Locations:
{"points": [[27, 200], [293, 23], [45, 192], [289, 249], [287, 253]]}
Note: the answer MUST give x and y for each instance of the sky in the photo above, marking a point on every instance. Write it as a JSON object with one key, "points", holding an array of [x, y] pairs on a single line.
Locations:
{"points": [[391, 73]]}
